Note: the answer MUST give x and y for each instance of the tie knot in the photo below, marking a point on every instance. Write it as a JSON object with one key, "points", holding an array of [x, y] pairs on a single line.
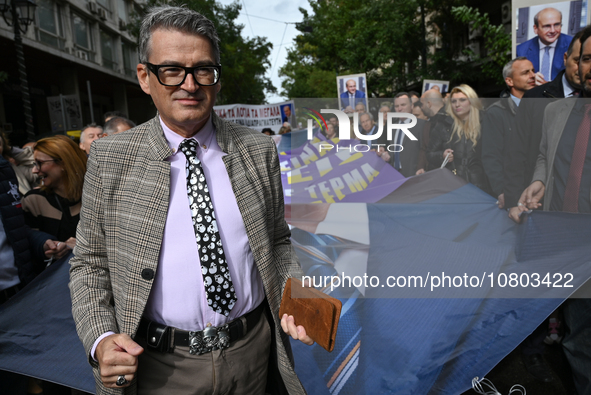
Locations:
{"points": [[189, 148]]}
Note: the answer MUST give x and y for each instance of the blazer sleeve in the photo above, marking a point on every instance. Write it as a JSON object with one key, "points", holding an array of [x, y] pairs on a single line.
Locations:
{"points": [[90, 281], [541, 170], [284, 256]]}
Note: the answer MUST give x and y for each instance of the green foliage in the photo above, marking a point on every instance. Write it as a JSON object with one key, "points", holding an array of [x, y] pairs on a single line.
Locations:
{"points": [[244, 61], [3, 76], [383, 38], [496, 41]]}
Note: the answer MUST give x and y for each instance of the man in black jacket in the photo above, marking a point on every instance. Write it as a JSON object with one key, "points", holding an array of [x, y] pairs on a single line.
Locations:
{"points": [[433, 107], [405, 161], [524, 143], [499, 121]]}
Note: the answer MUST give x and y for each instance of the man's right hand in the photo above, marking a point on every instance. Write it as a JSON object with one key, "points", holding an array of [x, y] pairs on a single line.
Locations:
{"points": [[540, 80], [529, 200], [533, 194], [117, 355]]}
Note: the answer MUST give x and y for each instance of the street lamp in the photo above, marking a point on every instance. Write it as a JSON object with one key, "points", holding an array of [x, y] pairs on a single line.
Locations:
{"points": [[21, 13]]}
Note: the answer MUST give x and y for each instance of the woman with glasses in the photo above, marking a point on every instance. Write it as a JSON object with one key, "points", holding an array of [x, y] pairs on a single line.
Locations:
{"points": [[55, 207], [458, 143]]}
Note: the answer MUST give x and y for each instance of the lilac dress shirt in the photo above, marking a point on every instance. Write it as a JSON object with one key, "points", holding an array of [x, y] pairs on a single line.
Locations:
{"points": [[178, 296]]}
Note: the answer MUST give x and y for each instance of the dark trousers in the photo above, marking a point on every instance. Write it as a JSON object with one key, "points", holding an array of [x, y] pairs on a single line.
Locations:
{"points": [[577, 342]]}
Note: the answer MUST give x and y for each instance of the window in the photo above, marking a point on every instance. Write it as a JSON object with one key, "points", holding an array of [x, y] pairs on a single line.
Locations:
{"points": [[105, 3], [49, 27], [82, 37], [122, 10], [130, 59], [108, 51]]}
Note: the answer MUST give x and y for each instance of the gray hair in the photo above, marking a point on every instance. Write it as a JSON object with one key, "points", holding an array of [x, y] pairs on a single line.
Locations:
{"points": [[176, 18], [90, 125], [537, 16], [366, 113], [508, 68], [112, 124]]}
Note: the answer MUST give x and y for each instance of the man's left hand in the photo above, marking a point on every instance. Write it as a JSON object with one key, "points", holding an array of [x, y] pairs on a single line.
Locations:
{"points": [[297, 332], [382, 153], [55, 249], [501, 200]]}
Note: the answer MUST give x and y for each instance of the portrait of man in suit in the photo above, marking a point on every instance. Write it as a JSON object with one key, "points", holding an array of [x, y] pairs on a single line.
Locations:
{"points": [[547, 48], [352, 96], [183, 250], [286, 113]]}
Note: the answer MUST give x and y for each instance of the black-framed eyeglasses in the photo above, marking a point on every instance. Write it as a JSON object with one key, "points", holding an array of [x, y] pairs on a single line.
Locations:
{"points": [[39, 163], [172, 75]]}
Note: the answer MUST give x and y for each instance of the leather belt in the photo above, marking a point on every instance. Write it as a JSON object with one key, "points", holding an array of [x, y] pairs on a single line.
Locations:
{"points": [[8, 293], [164, 338]]}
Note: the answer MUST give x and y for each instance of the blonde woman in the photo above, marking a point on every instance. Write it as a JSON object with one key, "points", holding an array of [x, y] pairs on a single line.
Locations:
{"points": [[459, 139], [55, 207]]}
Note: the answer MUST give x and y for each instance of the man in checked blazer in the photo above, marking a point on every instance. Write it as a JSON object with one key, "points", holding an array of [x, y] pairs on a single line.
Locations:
{"points": [[139, 297]]}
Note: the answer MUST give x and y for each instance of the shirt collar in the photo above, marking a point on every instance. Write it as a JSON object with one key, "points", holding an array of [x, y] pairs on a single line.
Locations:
{"points": [[553, 45], [566, 87], [515, 99], [203, 137]]}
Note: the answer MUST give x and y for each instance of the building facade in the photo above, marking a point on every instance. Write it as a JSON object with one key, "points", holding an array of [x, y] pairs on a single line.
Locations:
{"points": [[76, 49]]}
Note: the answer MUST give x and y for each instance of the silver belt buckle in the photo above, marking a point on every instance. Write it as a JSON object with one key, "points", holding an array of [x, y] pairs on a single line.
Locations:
{"points": [[209, 339]]}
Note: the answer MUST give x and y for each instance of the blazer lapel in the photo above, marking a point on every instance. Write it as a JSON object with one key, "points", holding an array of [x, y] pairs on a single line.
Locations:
{"points": [[562, 114], [159, 191], [558, 60], [242, 172], [534, 54]]}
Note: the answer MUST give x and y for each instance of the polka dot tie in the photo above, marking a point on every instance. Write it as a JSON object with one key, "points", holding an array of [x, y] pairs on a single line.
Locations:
{"points": [[221, 296]]}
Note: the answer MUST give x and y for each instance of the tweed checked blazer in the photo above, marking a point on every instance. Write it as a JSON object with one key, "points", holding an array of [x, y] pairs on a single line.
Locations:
{"points": [[555, 118], [124, 207]]}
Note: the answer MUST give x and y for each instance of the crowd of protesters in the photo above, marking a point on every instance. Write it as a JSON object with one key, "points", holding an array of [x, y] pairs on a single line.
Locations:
{"points": [[527, 149]]}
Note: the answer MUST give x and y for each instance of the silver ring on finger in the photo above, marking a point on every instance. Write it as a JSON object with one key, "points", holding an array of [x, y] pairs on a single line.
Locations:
{"points": [[121, 381]]}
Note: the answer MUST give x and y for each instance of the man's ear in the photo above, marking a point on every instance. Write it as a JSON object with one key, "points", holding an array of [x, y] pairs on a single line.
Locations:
{"points": [[218, 87], [143, 77], [509, 82]]}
